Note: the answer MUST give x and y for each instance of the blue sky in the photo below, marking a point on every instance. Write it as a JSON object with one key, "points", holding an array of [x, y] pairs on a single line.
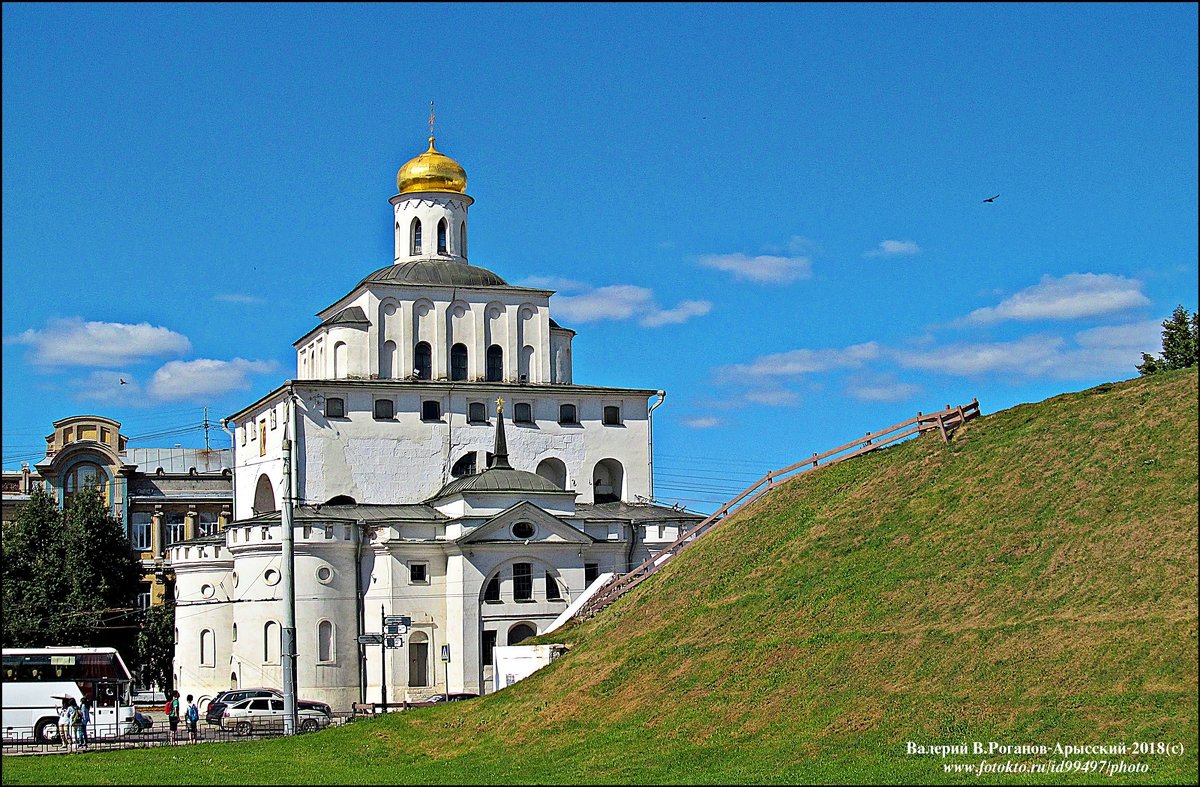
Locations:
{"points": [[774, 212]]}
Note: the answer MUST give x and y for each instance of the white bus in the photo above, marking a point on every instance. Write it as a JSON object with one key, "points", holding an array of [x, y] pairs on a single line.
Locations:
{"points": [[36, 680]]}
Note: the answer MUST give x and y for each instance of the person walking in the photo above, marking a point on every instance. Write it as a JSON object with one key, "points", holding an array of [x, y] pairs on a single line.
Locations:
{"points": [[193, 719], [173, 716], [64, 724], [72, 721], [82, 721]]}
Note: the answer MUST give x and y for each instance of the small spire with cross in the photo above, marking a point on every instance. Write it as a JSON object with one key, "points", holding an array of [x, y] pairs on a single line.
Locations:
{"points": [[500, 406], [431, 119], [500, 454]]}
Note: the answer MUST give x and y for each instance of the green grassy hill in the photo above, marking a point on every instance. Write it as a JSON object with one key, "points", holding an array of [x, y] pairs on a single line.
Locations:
{"points": [[1032, 582]]}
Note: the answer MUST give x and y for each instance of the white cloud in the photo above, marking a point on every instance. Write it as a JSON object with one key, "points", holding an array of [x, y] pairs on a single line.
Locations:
{"points": [[73, 342], [802, 361], [623, 302], [1145, 336], [1031, 356], [881, 388], [772, 397], [237, 297], [763, 269], [204, 377], [681, 313], [1071, 297], [106, 387], [702, 423], [893, 248]]}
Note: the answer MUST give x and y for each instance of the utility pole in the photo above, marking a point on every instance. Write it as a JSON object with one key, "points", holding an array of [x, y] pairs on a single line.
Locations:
{"points": [[288, 576], [383, 657], [206, 428]]}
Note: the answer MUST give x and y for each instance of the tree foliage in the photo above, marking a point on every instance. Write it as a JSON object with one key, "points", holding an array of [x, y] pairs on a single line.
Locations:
{"points": [[156, 645], [1180, 343], [70, 577]]}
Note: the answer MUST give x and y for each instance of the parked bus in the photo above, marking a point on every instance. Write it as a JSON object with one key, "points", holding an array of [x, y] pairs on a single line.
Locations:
{"points": [[37, 679]]}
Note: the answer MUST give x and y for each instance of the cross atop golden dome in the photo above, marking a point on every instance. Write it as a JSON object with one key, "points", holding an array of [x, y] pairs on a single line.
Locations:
{"points": [[431, 171]]}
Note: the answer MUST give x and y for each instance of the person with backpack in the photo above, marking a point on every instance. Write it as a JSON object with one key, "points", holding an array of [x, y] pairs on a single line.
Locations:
{"points": [[193, 718], [64, 724], [82, 719], [172, 711]]}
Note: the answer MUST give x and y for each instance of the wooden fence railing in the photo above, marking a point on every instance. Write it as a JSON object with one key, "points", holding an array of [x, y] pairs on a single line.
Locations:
{"points": [[943, 421]]}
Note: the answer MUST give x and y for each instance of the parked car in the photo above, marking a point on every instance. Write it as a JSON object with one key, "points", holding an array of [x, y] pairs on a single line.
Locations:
{"points": [[266, 713], [216, 706]]}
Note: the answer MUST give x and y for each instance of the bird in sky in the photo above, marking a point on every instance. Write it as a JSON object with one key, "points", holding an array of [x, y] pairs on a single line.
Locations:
{"points": [[990, 199], [122, 381]]}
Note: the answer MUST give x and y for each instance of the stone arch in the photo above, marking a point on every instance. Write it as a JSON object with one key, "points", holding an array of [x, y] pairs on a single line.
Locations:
{"points": [[520, 632], [553, 470], [264, 496], [341, 360], [608, 481]]}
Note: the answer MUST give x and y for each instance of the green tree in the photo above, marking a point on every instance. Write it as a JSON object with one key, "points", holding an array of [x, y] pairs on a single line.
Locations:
{"points": [[156, 645], [1180, 343], [70, 578]]}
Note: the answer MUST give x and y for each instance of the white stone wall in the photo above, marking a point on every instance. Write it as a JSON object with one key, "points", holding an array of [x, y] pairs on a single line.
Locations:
{"points": [[429, 208]]}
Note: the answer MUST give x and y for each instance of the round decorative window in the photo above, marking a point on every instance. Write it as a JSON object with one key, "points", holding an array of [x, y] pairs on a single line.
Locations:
{"points": [[271, 576], [324, 574], [523, 530], [207, 591]]}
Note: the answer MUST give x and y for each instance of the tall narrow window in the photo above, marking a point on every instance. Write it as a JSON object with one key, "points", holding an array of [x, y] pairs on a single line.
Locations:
{"points": [[141, 522], [590, 572], [492, 592], [489, 648], [262, 437], [552, 590], [207, 657], [462, 239], [176, 526], [522, 582], [442, 237], [458, 362], [271, 642], [495, 364], [416, 236], [324, 641], [423, 361]]}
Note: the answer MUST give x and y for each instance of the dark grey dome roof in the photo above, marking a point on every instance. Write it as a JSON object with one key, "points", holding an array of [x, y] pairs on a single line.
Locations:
{"points": [[435, 273], [499, 480]]}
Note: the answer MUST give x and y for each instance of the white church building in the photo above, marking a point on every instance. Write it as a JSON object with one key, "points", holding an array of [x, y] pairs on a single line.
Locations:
{"points": [[411, 494]]}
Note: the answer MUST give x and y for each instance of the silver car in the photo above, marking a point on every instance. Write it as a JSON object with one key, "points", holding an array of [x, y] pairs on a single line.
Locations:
{"points": [[265, 714]]}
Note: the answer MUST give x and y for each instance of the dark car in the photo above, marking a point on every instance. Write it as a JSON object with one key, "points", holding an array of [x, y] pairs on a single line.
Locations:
{"points": [[217, 705]]}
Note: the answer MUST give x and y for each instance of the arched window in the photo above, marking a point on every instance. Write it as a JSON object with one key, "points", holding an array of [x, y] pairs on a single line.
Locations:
{"points": [[608, 481], [85, 475], [526, 370], [207, 657], [233, 680], [423, 361], [495, 363], [415, 231], [340, 360], [264, 496], [462, 239], [324, 641], [271, 635], [554, 471], [492, 591], [340, 500], [387, 361], [520, 633], [418, 660], [442, 237], [464, 466], [458, 362]]}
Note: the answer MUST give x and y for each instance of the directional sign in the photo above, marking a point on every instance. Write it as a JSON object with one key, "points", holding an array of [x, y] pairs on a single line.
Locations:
{"points": [[370, 639], [402, 620], [395, 628], [393, 642]]}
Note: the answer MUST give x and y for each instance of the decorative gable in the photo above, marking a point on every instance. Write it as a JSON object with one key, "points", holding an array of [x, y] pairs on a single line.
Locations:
{"points": [[511, 524]]}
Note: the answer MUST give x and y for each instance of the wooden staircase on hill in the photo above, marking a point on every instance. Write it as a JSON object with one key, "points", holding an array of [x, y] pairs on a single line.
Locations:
{"points": [[943, 421]]}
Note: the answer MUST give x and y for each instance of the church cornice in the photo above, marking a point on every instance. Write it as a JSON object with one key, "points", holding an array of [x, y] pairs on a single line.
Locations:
{"points": [[444, 386]]}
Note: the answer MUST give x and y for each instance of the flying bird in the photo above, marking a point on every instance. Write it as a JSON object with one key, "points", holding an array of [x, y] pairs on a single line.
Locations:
{"points": [[122, 381], [990, 199]]}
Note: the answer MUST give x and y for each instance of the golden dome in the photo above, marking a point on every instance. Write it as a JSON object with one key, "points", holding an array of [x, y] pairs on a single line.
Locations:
{"points": [[431, 171]]}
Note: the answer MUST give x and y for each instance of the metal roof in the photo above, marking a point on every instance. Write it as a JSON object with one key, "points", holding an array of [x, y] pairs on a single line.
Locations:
{"points": [[499, 480], [180, 460], [438, 273]]}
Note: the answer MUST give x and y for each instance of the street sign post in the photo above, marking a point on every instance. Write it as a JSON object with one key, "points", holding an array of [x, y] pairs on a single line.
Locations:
{"points": [[370, 639], [446, 661]]}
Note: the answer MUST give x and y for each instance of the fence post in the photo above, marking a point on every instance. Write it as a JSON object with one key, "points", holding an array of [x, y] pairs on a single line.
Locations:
{"points": [[942, 427], [868, 439]]}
